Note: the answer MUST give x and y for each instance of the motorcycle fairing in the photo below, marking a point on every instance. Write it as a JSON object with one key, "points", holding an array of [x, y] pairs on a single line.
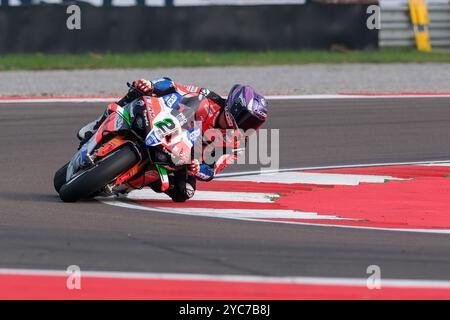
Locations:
{"points": [[172, 100], [112, 145], [178, 119], [113, 123], [171, 127]]}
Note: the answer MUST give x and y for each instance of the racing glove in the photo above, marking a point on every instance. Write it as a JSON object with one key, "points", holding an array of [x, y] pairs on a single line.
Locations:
{"points": [[194, 167], [206, 172], [144, 85]]}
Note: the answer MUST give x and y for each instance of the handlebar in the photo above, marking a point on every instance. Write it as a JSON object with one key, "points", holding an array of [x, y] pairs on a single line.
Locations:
{"points": [[130, 85], [132, 94]]}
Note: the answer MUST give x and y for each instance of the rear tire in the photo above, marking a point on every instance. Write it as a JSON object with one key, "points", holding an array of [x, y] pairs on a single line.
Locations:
{"points": [[95, 178]]}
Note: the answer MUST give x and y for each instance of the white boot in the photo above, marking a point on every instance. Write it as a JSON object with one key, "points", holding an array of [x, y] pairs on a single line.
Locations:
{"points": [[87, 128]]}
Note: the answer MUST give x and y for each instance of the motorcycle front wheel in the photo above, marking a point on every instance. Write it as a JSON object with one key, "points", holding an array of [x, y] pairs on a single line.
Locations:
{"points": [[60, 177], [97, 177]]}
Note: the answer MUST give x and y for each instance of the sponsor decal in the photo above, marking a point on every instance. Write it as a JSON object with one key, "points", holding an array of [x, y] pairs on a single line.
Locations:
{"points": [[204, 92], [182, 119], [152, 139], [172, 100], [165, 126], [149, 107], [194, 134], [147, 123]]}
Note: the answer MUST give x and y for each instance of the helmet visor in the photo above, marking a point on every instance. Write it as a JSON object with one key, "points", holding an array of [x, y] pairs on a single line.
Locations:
{"points": [[245, 120]]}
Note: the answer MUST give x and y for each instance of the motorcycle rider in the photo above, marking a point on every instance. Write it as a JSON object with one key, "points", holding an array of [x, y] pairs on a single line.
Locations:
{"points": [[244, 109]]}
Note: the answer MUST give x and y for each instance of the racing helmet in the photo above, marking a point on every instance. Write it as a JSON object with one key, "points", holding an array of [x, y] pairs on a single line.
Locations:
{"points": [[247, 107]]}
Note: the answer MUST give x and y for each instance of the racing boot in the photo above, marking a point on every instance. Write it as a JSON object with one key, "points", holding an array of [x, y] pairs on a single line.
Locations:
{"points": [[182, 186], [85, 133], [89, 128]]}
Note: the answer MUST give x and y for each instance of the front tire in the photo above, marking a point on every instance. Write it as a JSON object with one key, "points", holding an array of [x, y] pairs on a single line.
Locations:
{"points": [[60, 177], [95, 178]]}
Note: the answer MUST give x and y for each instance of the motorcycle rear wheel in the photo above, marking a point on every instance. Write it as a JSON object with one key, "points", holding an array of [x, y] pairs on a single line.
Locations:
{"points": [[97, 177]]}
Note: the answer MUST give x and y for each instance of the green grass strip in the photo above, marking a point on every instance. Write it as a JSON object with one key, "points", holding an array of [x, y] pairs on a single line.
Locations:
{"points": [[39, 61]]}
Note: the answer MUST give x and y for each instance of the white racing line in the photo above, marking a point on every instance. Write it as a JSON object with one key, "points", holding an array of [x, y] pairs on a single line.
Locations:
{"points": [[393, 283], [312, 178], [239, 214], [284, 176], [256, 197], [443, 163]]}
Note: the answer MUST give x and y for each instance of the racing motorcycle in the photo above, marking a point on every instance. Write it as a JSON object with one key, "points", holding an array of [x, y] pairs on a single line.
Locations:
{"points": [[143, 143]]}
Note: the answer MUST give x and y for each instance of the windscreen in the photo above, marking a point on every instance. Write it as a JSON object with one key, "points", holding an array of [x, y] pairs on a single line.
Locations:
{"points": [[186, 109]]}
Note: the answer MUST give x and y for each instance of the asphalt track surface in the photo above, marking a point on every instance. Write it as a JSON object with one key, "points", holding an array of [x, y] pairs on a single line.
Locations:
{"points": [[38, 231]]}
